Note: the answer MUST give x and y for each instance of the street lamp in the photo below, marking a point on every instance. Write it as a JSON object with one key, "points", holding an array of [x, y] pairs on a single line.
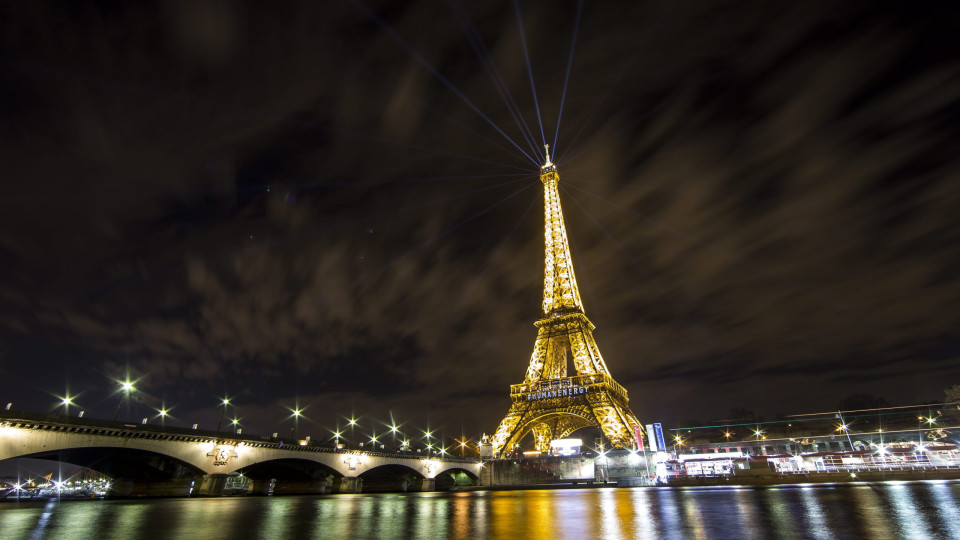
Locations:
{"points": [[65, 404], [393, 431], [427, 434], [336, 438], [352, 422], [224, 402], [296, 422], [163, 412], [125, 388]]}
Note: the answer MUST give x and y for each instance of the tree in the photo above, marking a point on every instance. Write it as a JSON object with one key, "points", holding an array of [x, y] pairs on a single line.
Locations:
{"points": [[953, 394]]}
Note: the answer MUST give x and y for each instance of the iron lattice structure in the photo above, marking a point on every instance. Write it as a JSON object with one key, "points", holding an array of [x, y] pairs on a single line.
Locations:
{"points": [[550, 403]]}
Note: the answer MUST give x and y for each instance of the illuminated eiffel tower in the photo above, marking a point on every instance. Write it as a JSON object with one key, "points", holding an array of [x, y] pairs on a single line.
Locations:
{"points": [[549, 402]]}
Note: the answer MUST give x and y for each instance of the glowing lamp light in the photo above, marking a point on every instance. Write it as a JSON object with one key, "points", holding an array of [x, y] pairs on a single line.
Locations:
{"points": [[127, 386]]}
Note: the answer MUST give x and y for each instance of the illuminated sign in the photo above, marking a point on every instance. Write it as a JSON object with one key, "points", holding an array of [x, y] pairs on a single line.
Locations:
{"points": [[558, 392], [565, 447], [221, 453]]}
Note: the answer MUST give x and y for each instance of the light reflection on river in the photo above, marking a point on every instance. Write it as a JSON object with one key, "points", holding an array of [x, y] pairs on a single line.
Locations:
{"points": [[892, 510]]}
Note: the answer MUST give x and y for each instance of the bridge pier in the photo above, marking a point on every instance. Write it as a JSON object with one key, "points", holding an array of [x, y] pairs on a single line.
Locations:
{"points": [[175, 487], [350, 484], [212, 485], [259, 487], [427, 484], [287, 487]]}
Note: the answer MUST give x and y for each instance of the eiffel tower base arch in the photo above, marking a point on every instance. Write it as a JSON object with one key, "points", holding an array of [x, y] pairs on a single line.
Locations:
{"points": [[570, 404]]}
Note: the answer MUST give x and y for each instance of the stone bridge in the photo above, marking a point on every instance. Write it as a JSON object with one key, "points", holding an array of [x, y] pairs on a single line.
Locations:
{"points": [[150, 460]]}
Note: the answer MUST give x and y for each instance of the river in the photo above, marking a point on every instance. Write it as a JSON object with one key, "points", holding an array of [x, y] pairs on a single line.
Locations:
{"points": [[890, 510]]}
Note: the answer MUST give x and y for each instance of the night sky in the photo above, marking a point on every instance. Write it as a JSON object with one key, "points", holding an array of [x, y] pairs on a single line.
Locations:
{"points": [[329, 202]]}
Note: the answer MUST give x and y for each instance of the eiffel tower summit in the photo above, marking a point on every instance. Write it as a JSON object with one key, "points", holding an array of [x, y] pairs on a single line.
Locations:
{"points": [[551, 402]]}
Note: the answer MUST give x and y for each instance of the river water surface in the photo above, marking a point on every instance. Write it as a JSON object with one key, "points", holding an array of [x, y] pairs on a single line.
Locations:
{"points": [[890, 510]]}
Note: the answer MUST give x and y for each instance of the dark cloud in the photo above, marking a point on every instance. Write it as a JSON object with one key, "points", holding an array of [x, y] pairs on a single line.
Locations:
{"points": [[315, 203]]}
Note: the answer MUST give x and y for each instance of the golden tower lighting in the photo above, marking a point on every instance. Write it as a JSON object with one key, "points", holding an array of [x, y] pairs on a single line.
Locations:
{"points": [[550, 402]]}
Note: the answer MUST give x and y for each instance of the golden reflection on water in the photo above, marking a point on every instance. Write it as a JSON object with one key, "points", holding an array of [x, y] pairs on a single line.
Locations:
{"points": [[615, 514], [460, 522]]}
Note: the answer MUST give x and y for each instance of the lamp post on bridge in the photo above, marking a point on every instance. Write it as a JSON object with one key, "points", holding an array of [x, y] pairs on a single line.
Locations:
{"points": [[352, 422], [393, 430], [223, 403], [296, 423], [427, 434], [125, 388], [65, 404]]}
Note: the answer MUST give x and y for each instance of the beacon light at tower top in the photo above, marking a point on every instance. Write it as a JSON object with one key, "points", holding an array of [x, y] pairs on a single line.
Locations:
{"points": [[547, 165]]}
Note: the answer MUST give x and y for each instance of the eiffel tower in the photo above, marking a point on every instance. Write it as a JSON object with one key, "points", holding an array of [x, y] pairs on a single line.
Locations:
{"points": [[550, 402]]}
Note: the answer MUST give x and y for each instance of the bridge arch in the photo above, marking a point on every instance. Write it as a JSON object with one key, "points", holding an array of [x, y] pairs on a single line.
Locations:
{"points": [[132, 471], [392, 477], [549, 426], [453, 477], [121, 462], [290, 475]]}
